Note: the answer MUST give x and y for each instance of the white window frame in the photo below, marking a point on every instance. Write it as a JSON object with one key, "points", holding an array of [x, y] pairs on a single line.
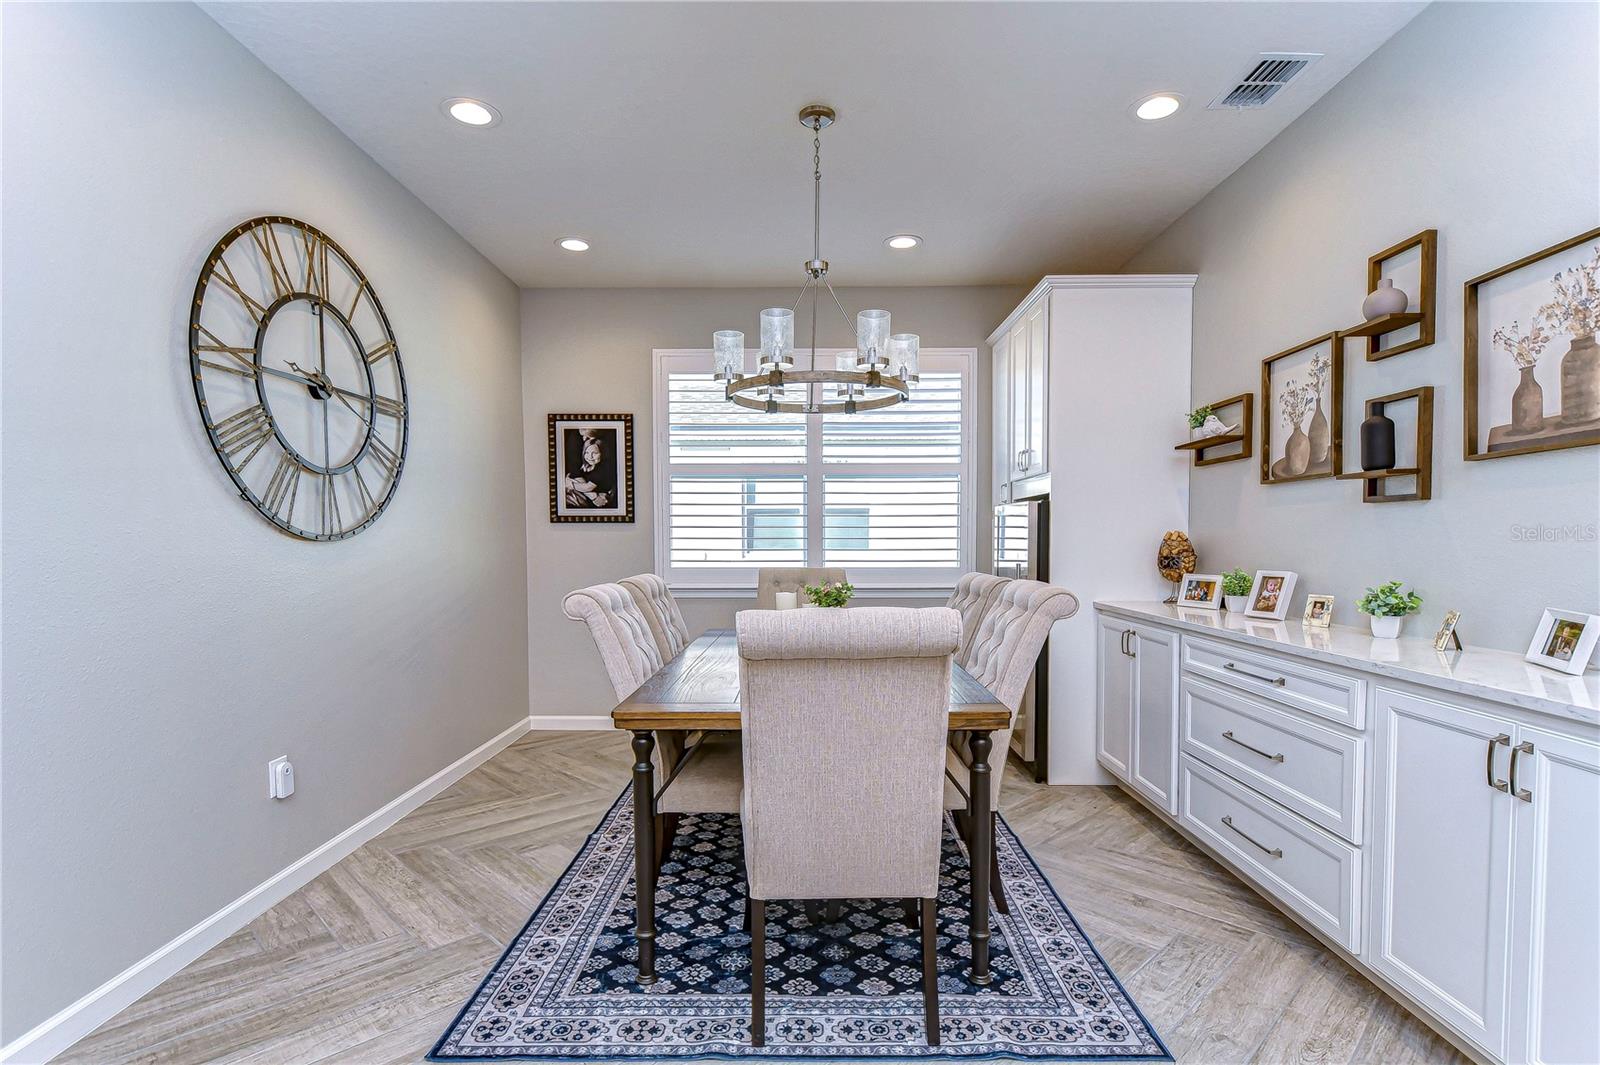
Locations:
{"points": [[741, 581]]}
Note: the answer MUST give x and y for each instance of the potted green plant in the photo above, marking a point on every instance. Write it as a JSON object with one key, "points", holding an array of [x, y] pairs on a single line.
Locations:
{"points": [[830, 593], [1236, 590], [1388, 604]]}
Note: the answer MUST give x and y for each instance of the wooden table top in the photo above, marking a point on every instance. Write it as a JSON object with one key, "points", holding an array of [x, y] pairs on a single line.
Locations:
{"points": [[699, 689]]}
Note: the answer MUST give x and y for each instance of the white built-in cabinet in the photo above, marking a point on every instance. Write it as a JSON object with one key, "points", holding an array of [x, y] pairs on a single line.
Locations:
{"points": [[1022, 403], [1447, 843]]}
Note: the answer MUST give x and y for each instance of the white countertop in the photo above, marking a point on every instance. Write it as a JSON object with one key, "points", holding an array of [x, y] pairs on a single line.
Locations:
{"points": [[1500, 676]]}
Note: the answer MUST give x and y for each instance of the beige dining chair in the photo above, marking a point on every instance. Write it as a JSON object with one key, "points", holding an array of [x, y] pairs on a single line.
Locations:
{"points": [[844, 714], [660, 611], [770, 581], [1004, 649], [704, 778], [974, 592]]}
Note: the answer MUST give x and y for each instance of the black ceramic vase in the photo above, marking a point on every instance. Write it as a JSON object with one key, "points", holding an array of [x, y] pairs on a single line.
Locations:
{"points": [[1377, 442]]}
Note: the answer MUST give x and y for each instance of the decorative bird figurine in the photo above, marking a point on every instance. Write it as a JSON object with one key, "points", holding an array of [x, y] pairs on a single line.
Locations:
{"points": [[1175, 558]]}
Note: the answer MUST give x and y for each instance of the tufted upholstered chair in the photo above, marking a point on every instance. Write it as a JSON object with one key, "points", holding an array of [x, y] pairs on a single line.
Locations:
{"points": [[970, 599], [845, 714], [660, 612], [709, 780], [771, 581]]}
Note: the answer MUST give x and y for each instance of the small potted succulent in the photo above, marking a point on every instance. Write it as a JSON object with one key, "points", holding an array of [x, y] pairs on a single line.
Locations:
{"points": [[1388, 604], [1236, 590], [829, 593]]}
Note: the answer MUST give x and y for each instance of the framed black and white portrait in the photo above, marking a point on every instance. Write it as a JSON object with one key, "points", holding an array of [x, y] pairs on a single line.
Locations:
{"points": [[591, 467]]}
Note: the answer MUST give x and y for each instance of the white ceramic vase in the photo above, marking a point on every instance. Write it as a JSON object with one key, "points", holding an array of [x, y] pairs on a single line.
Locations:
{"points": [[1236, 604], [1385, 299], [1386, 628]]}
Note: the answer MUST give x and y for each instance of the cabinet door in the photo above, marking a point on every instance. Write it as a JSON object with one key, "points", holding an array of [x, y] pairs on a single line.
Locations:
{"points": [[1035, 457], [1154, 769], [1441, 885], [1556, 943], [1003, 460], [1021, 398], [1114, 716]]}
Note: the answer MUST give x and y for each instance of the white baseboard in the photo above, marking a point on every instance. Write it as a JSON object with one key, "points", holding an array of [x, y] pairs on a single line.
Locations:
{"points": [[71, 1024], [571, 723]]}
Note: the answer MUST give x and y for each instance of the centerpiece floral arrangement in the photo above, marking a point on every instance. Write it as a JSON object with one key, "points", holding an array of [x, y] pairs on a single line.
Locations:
{"points": [[1388, 604], [830, 593]]}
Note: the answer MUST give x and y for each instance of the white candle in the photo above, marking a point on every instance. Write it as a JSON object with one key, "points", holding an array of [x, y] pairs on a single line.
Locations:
{"points": [[788, 600]]}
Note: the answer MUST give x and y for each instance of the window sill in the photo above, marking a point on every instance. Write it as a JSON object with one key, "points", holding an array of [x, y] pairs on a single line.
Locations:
{"points": [[868, 591]]}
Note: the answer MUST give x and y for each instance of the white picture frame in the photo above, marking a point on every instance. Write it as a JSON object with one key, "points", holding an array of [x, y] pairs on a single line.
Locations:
{"points": [[1270, 594], [1200, 591], [1319, 611], [1564, 640]]}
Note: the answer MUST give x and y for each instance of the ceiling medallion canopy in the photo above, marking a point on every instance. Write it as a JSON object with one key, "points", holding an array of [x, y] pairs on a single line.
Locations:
{"points": [[878, 373]]}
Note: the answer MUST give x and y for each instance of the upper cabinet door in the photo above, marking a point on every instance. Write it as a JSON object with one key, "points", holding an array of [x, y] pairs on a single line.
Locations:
{"points": [[1035, 458], [1001, 461], [1021, 399], [1556, 949], [1441, 885]]}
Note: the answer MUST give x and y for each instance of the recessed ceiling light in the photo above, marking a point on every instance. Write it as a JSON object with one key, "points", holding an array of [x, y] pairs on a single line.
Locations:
{"points": [[902, 241], [573, 244], [471, 112], [1161, 105]]}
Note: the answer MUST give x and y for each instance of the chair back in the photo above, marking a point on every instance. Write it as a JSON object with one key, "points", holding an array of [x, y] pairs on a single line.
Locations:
{"points": [[845, 714], [660, 611], [970, 599], [621, 634], [770, 581]]}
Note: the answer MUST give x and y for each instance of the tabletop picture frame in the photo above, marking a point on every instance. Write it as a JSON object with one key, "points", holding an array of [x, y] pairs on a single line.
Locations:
{"points": [[1270, 594], [1319, 611], [1564, 640], [1200, 591]]}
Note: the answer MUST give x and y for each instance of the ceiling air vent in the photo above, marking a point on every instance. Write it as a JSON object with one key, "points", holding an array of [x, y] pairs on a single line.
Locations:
{"points": [[1273, 70]]}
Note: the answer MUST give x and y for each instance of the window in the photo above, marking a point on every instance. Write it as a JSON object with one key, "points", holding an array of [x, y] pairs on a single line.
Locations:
{"points": [[885, 494]]}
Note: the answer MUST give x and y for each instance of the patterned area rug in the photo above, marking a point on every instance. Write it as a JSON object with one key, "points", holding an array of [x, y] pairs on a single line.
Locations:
{"points": [[848, 989]]}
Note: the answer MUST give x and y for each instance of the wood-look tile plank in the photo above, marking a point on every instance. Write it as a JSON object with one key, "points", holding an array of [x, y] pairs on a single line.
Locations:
{"points": [[1246, 1002]]}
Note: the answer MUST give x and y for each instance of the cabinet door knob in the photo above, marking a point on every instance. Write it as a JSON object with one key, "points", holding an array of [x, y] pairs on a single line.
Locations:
{"points": [[1488, 763], [1522, 793]]}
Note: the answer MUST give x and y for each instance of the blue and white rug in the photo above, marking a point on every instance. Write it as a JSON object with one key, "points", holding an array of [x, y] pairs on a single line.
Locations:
{"points": [[565, 988]]}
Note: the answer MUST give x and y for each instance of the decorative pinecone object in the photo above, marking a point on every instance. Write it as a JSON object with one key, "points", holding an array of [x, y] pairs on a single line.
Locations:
{"points": [[1175, 558]]}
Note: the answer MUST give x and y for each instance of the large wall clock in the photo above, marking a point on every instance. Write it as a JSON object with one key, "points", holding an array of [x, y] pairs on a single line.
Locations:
{"points": [[298, 377]]}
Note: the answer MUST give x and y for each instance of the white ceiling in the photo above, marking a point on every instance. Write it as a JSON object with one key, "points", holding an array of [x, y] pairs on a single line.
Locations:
{"points": [[665, 133]]}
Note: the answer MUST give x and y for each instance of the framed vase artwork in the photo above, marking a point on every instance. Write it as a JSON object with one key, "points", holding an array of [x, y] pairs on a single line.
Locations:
{"points": [[1531, 366], [1564, 640], [1270, 594], [1200, 591], [591, 467], [1301, 400]]}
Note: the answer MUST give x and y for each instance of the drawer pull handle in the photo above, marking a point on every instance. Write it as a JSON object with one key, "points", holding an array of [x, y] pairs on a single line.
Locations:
{"points": [[1488, 764], [1275, 852], [1522, 793], [1228, 735], [1279, 681]]}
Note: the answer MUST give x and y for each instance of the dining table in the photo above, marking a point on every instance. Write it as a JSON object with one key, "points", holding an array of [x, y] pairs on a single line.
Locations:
{"points": [[697, 690]]}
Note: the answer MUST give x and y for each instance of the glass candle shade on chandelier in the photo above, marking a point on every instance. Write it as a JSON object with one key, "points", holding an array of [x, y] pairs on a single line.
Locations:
{"points": [[878, 373]]}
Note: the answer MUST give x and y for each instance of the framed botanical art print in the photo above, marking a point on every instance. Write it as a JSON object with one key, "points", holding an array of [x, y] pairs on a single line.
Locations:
{"points": [[1200, 591], [1301, 395], [591, 467], [1270, 594], [1531, 366], [1564, 640]]}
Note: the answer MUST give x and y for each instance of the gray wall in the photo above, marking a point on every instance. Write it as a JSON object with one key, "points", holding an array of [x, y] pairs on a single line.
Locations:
{"points": [[161, 640], [1479, 120], [589, 350]]}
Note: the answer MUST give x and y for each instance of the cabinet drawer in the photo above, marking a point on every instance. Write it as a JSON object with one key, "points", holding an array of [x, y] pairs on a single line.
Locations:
{"points": [[1303, 867], [1314, 771], [1316, 691]]}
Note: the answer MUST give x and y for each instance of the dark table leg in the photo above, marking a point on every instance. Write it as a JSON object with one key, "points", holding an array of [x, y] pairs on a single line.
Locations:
{"points": [[980, 848], [644, 859]]}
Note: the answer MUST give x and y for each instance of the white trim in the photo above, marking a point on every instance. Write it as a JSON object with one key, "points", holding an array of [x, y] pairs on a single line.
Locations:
{"points": [[1054, 281], [570, 723], [871, 591], [55, 1034]]}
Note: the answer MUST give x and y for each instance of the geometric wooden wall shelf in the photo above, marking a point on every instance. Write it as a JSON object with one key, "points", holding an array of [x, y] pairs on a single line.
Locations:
{"points": [[1373, 482], [1245, 402], [1428, 243]]}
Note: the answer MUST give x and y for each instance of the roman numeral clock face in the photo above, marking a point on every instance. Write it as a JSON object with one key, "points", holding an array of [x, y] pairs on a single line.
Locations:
{"points": [[298, 378]]}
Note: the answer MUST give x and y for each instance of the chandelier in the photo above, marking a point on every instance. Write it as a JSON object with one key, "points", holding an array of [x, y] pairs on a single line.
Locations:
{"points": [[878, 373]]}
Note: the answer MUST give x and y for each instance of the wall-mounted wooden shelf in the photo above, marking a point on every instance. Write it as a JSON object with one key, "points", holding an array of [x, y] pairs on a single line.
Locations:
{"points": [[1373, 480], [1245, 401], [1427, 243]]}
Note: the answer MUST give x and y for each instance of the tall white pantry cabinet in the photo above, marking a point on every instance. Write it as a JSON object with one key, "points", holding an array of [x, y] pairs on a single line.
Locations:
{"points": [[1091, 377]]}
